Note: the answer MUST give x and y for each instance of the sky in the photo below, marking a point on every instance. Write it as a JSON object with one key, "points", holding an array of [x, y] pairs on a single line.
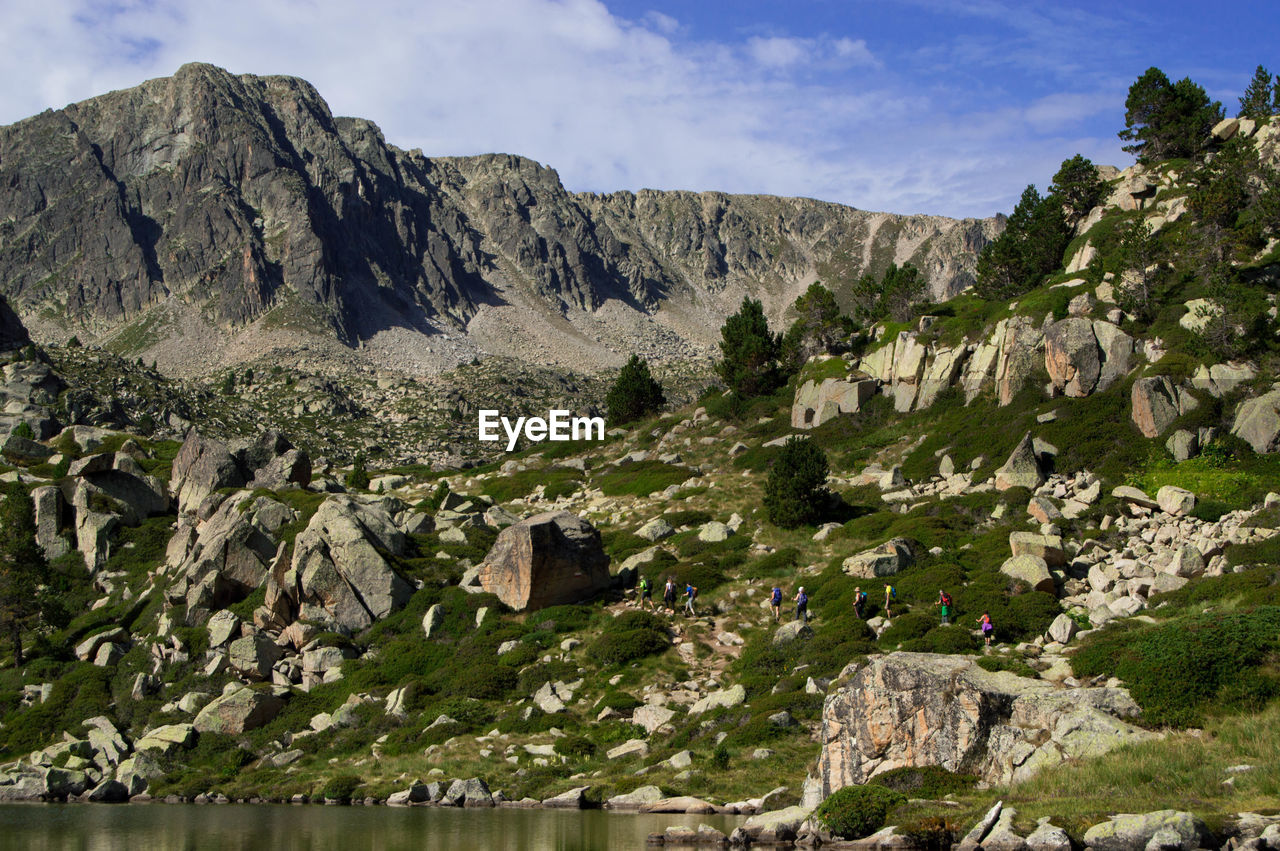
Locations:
{"points": [[908, 106]]}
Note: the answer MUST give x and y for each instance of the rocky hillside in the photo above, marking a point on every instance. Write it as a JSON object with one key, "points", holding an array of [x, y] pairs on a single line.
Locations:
{"points": [[209, 218]]}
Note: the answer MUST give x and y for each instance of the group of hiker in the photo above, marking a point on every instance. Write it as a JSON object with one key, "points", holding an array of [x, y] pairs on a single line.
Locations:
{"points": [[671, 592]]}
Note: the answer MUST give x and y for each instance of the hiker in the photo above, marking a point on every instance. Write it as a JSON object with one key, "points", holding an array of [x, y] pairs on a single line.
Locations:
{"points": [[987, 627], [802, 605], [944, 603], [646, 592], [860, 603], [690, 593], [890, 594], [775, 600], [669, 594]]}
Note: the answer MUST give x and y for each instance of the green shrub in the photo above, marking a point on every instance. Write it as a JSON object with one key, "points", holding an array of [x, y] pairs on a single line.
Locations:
{"points": [[795, 492], [630, 636], [776, 564], [635, 394], [578, 748], [857, 811], [641, 478], [926, 781], [1002, 663], [341, 787], [719, 758], [907, 626], [1178, 670], [618, 700]]}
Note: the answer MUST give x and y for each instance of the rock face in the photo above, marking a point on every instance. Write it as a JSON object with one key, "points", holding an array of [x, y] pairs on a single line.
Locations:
{"points": [[916, 709], [815, 402], [545, 560], [204, 465], [150, 188]]}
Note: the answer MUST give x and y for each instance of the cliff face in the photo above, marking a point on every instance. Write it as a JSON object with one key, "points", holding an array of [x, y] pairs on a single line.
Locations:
{"points": [[233, 197]]}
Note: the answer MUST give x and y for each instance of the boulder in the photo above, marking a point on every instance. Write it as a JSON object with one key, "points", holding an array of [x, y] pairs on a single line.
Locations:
{"points": [[1048, 837], [473, 792], [1046, 547], [223, 626], [1157, 402], [917, 709], [1129, 832], [1117, 350], [238, 710], [631, 747], [432, 620], [1031, 569], [636, 799], [88, 649], [714, 532], [1258, 422], [254, 655], [1219, 379], [885, 560], [166, 738], [789, 632], [50, 517], [655, 530], [1133, 495], [651, 717], [1175, 500], [1063, 629], [681, 804], [202, 466], [573, 799], [815, 402], [1022, 469], [545, 560], [1072, 357], [109, 792], [1183, 444], [777, 826], [340, 574], [734, 696]]}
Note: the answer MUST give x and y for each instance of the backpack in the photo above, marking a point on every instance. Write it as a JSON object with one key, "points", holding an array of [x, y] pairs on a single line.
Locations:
{"points": [[644, 585], [862, 597], [803, 599], [893, 593], [777, 596], [693, 592], [946, 599]]}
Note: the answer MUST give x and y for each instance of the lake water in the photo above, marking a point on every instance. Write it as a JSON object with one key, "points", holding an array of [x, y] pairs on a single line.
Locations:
{"points": [[276, 827]]}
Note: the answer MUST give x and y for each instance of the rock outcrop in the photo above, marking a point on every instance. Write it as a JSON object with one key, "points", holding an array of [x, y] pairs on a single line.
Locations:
{"points": [[1258, 422], [815, 402], [916, 709], [1157, 402], [545, 560]]}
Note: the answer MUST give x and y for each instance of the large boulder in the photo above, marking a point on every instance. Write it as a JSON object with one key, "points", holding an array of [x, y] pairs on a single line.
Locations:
{"points": [[1072, 356], [50, 517], [545, 560], [202, 466], [1258, 422], [238, 710], [1157, 402], [254, 655], [817, 402], [1022, 469], [918, 709], [1030, 569], [1117, 350], [885, 560], [339, 574], [1184, 831]]}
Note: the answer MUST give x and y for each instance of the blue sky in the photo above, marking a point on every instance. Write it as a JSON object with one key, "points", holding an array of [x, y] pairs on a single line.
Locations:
{"points": [[911, 106]]}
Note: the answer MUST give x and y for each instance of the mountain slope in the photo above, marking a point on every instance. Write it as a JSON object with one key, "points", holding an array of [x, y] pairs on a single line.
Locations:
{"points": [[207, 217]]}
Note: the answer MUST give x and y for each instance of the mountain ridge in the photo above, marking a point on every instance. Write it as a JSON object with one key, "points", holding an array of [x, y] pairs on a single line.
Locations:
{"points": [[246, 199]]}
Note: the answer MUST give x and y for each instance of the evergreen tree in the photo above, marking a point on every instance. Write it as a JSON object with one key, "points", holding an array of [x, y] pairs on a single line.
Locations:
{"points": [[1031, 247], [900, 291], [1259, 100], [750, 352], [819, 327], [358, 477], [1140, 252], [635, 394], [24, 572], [1079, 187], [1164, 120], [795, 492]]}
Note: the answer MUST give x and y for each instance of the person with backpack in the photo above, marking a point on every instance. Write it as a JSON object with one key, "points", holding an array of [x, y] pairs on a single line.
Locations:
{"points": [[802, 605], [669, 594], [691, 594], [775, 601], [988, 629], [646, 592], [944, 604], [860, 602], [890, 594]]}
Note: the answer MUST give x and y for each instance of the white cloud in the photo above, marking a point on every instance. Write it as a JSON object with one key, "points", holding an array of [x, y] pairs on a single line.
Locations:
{"points": [[610, 103]]}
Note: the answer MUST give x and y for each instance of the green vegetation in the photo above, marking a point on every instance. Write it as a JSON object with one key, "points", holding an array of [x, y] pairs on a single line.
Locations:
{"points": [[796, 492], [635, 394], [819, 328], [749, 352], [1262, 97], [1164, 120], [857, 811]]}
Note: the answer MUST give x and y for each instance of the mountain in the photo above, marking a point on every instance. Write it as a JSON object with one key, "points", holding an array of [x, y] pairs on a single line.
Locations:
{"points": [[207, 218]]}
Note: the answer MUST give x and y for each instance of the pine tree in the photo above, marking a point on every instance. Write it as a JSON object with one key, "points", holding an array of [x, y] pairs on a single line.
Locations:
{"points": [[358, 477], [1079, 187], [1165, 120], [795, 492], [24, 571], [635, 394], [1031, 247], [1259, 100], [819, 327], [749, 365]]}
